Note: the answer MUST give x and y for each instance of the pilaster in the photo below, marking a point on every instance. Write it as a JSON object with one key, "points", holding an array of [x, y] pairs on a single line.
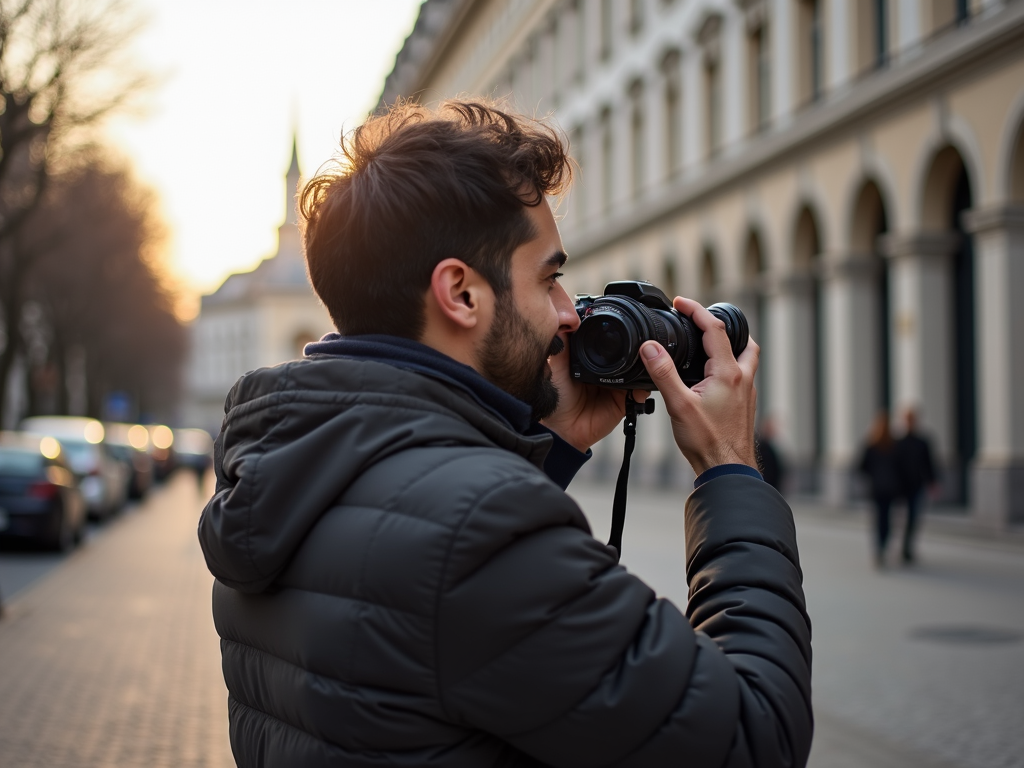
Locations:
{"points": [[921, 340], [997, 473], [852, 316], [791, 374]]}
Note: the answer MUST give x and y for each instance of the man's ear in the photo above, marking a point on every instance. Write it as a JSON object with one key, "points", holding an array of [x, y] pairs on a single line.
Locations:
{"points": [[459, 291]]}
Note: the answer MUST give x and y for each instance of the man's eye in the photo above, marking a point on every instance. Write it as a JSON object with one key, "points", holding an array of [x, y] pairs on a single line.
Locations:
{"points": [[555, 276]]}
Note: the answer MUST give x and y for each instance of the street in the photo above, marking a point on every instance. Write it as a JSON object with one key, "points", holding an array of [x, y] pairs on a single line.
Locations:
{"points": [[913, 667], [110, 658]]}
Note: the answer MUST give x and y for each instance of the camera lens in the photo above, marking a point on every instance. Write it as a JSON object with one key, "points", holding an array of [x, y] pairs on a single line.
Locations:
{"points": [[609, 342]]}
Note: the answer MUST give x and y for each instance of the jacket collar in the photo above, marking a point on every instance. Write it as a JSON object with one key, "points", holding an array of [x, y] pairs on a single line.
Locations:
{"points": [[412, 356]]}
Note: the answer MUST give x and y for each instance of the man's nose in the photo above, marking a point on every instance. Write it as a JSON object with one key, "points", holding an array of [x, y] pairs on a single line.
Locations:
{"points": [[568, 320]]}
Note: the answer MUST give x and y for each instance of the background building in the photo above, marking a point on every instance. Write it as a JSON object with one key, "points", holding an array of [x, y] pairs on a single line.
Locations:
{"points": [[254, 319], [849, 172]]}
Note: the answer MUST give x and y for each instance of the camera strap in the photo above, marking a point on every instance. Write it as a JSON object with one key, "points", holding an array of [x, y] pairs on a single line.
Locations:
{"points": [[633, 411]]}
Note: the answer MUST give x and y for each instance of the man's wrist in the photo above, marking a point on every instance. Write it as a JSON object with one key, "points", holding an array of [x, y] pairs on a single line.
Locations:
{"points": [[721, 470]]}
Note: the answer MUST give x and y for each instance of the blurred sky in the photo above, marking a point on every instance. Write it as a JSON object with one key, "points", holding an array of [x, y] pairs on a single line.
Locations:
{"points": [[214, 138]]}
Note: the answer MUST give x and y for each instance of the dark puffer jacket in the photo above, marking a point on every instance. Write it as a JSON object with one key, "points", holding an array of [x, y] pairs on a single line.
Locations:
{"points": [[398, 583]]}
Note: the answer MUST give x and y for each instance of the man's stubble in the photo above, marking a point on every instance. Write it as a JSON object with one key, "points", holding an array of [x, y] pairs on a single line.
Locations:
{"points": [[515, 359]]}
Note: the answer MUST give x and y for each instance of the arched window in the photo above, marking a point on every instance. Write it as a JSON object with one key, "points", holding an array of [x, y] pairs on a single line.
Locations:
{"points": [[947, 194], [709, 38], [870, 222], [673, 136], [636, 137]]}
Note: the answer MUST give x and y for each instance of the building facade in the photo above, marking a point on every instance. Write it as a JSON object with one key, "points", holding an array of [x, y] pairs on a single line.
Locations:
{"points": [[254, 319], [849, 172]]}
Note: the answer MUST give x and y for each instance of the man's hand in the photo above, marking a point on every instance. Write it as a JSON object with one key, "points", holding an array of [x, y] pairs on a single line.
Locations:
{"points": [[713, 422], [586, 413]]}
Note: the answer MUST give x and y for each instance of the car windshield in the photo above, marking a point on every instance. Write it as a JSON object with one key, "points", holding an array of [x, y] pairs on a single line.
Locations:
{"points": [[20, 462]]}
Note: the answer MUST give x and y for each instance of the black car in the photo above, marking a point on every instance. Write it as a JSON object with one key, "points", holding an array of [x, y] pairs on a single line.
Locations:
{"points": [[39, 496]]}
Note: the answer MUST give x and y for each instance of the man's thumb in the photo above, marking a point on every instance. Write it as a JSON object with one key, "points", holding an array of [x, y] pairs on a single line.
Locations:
{"points": [[659, 364]]}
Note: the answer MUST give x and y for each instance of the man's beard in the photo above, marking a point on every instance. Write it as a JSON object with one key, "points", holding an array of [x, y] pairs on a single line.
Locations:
{"points": [[515, 359]]}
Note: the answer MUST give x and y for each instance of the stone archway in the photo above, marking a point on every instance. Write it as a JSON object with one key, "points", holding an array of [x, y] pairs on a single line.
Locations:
{"points": [[795, 376], [856, 356], [807, 258], [933, 318], [870, 222]]}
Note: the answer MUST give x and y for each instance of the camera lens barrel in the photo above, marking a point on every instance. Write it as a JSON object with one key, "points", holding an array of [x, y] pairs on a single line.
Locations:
{"points": [[606, 348], [735, 325]]}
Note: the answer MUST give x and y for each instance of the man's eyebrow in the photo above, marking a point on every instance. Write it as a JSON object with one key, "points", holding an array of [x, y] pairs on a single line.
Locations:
{"points": [[556, 259]]}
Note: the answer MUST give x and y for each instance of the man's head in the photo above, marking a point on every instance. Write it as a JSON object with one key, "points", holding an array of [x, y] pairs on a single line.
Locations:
{"points": [[416, 186], [910, 419], [435, 227]]}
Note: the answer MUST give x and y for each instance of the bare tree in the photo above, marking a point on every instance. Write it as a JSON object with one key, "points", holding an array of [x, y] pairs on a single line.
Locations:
{"points": [[94, 289], [62, 70]]}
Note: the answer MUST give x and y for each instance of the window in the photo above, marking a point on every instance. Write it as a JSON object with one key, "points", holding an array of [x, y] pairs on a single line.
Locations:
{"points": [[636, 16], [606, 29], [881, 32], [946, 13], [872, 49], [758, 78], [810, 71], [636, 137], [578, 193], [673, 113], [713, 92], [607, 159], [709, 38]]}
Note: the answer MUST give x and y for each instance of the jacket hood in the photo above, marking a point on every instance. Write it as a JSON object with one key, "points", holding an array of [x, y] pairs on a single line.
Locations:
{"points": [[295, 436]]}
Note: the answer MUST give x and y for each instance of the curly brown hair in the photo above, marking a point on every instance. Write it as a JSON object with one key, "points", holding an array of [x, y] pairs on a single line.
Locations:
{"points": [[413, 187]]}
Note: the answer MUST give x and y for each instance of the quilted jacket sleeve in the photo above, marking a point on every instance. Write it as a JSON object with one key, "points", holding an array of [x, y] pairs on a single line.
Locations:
{"points": [[550, 645]]}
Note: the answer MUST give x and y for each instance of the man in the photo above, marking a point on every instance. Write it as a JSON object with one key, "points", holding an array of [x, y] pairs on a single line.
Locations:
{"points": [[772, 469], [401, 579], [915, 469]]}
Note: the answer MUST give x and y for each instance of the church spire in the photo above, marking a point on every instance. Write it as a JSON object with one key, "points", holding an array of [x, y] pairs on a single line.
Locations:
{"points": [[292, 183]]}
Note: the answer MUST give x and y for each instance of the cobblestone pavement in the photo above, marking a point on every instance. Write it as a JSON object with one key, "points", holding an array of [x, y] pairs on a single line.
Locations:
{"points": [[919, 667], [112, 659]]}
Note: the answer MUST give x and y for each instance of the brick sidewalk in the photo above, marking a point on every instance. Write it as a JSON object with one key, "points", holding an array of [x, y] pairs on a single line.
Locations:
{"points": [[112, 660]]}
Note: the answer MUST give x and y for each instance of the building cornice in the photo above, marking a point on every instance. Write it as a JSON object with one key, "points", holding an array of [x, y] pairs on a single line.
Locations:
{"points": [[992, 217], [936, 245], [430, 44], [984, 41]]}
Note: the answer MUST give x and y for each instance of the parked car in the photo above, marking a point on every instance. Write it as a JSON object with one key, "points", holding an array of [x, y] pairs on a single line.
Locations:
{"points": [[39, 496], [129, 443], [102, 479], [194, 449], [161, 448]]}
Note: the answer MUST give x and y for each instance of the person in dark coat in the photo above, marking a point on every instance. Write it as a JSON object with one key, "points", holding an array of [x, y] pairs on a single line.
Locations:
{"points": [[773, 470], [879, 464], [400, 577], [917, 473]]}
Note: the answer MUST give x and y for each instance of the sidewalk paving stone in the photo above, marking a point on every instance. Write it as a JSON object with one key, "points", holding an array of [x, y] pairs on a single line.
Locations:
{"points": [[112, 659]]}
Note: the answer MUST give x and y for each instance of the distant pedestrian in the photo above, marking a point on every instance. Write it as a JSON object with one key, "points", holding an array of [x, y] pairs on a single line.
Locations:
{"points": [[878, 463], [772, 468], [917, 472]]}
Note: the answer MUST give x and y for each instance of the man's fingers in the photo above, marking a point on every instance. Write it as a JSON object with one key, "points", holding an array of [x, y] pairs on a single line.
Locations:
{"points": [[716, 340]]}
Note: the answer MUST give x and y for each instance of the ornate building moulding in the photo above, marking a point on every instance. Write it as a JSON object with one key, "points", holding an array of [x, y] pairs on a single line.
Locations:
{"points": [[972, 47], [853, 266], [926, 244], [1004, 216]]}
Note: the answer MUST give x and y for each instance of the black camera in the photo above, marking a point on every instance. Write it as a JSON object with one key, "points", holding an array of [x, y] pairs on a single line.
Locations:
{"points": [[606, 348]]}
